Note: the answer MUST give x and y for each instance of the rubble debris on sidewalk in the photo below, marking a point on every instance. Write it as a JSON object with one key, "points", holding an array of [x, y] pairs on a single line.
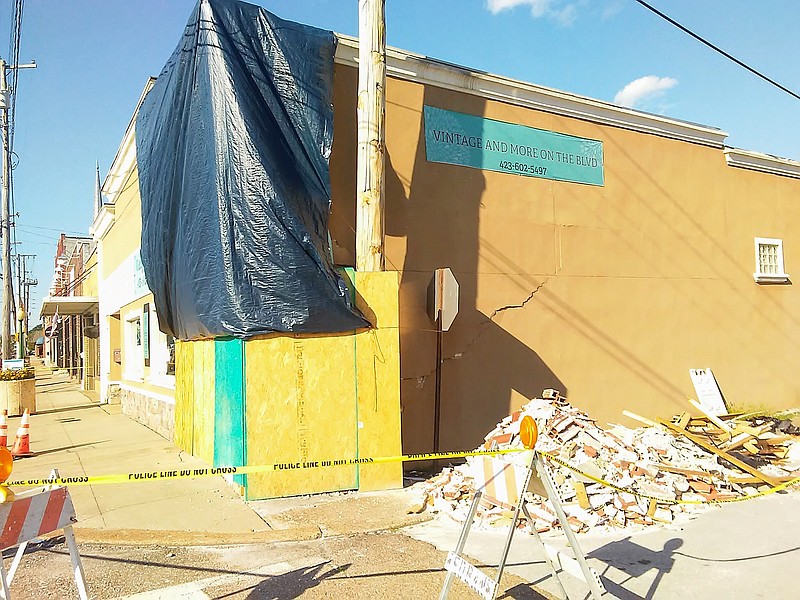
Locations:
{"points": [[669, 460]]}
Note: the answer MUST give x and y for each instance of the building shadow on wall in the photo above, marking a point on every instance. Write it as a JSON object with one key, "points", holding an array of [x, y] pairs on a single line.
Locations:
{"points": [[432, 220], [486, 371]]}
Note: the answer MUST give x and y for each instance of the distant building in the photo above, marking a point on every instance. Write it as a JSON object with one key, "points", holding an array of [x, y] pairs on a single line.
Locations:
{"points": [[69, 311]]}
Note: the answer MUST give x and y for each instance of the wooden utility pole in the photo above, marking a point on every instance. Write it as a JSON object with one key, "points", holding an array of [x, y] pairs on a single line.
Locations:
{"points": [[371, 137], [5, 230], [5, 222]]}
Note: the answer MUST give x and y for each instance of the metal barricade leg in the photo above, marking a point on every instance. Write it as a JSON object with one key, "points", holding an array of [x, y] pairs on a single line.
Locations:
{"points": [[75, 558], [4, 580], [591, 578], [553, 570], [501, 567], [462, 541], [15, 563]]}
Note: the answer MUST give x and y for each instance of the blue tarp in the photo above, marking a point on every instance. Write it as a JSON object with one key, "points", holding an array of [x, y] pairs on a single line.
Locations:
{"points": [[232, 145]]}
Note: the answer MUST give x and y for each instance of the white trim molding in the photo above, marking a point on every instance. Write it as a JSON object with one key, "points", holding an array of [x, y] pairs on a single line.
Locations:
{"points": [[102, 222], [428, 71], [766, 163]]}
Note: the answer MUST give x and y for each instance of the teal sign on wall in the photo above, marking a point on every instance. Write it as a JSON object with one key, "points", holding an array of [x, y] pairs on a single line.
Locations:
{"points": [[460, 139]]}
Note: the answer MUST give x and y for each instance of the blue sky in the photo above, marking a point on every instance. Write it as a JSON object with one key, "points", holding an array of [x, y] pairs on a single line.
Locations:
{"points": [[94, 57]]}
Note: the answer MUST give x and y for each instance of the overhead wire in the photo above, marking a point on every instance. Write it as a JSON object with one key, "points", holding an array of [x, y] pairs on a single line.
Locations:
{"points": [[717, 49], [13, 53]]}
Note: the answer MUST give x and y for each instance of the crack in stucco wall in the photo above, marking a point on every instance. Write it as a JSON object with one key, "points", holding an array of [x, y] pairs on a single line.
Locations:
{"points": [[515, 306], [483, 325], [422, 379]]}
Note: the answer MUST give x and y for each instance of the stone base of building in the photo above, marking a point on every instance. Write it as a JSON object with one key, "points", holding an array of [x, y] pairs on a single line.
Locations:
{"points": [[150, 412]]}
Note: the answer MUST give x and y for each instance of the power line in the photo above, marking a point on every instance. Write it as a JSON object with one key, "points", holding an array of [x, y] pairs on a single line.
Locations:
{"points": [[67, 231], [717, 49]]}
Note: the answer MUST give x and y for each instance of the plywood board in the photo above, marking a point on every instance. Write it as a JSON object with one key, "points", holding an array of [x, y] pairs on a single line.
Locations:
{"points": [[203, 414], [300, 407], [378, 357], [229, 425], [184, 395]]}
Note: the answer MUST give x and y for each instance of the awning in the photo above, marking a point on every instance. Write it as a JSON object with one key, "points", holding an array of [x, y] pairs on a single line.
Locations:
{"points": [[68, 305]]}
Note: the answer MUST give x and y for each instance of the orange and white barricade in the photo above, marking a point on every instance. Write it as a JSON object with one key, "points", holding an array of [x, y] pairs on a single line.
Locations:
{"points": [[32, 514], [505, 481], [500, 479]]}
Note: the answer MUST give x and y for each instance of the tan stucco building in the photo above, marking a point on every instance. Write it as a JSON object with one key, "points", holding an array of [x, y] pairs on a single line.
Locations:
{"points": [[609, 293]]}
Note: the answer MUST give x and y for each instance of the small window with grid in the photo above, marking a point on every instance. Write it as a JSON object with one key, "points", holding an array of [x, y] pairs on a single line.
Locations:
{"points": [[769, 261]]}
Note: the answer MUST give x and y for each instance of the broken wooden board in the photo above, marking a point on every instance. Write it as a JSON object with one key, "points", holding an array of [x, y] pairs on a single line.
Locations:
{"points": [[686, 472], [712, 417], [721, 453]]}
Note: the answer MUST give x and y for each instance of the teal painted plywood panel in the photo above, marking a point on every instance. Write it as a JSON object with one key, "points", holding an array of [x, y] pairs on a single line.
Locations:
{"points": [[229, 423]]}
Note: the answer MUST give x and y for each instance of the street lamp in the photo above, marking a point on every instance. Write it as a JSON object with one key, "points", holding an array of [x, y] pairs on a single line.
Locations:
{"points": [[21, 333]]}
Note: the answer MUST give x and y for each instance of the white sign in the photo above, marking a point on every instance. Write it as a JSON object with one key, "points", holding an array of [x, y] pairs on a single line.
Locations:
{"points": [[708, 393], [471, 575], [443, 297]]}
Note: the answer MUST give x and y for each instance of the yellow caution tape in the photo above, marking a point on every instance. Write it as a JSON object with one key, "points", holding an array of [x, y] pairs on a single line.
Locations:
{"points": [[144, 476], [248, 469]]}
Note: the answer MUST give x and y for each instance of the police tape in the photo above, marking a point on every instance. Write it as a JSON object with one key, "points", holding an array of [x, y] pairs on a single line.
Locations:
{"points": [[144, 476], [661, 500], [161, 475]]}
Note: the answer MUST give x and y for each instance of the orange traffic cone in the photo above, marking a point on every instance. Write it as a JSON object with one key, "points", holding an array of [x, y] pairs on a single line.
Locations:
{"points": [[22, 445], [3, 429]]}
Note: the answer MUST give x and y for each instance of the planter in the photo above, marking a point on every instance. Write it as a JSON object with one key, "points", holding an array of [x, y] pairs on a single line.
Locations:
{"points": [[18, 395]]}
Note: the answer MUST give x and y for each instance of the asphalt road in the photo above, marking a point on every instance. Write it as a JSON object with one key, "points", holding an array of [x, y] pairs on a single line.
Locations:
{"points": [[380, 565]]}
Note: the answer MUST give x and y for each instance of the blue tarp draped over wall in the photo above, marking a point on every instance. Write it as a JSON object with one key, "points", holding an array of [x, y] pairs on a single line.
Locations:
{"points": [[232, 148]]}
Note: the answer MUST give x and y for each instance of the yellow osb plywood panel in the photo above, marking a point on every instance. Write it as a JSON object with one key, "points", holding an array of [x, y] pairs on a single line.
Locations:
{"points": [[204, 370], [300, 408], [184, 395], [378, 355]]}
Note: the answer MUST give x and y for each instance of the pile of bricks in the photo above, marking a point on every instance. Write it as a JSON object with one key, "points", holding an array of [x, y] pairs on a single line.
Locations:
{"points": [[651, 460]]}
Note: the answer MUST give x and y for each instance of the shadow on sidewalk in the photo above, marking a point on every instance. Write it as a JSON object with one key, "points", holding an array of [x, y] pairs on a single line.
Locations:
{"points": [[66, 409], [68, 448], [635, 561]]}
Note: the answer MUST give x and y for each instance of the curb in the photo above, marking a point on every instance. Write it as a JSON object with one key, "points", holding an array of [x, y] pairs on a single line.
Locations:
{"points": [[156, 537], [147, 537]]}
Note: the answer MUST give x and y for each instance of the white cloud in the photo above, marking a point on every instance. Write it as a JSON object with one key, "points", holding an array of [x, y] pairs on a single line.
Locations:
{"points": [[554, 9], [496, 6], [644, 88], [567, 15], [612, 9]]}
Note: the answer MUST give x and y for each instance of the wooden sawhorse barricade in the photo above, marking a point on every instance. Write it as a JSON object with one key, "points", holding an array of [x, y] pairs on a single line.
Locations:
{"points": [[31, 514], [576, 566]]}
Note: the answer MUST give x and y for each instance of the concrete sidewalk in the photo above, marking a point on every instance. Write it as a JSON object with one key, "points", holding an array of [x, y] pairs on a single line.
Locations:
{"points": [[78, 436]]}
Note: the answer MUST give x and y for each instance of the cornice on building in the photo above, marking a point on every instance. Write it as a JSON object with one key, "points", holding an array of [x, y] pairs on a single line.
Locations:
{"points": [[421, 69], [102, 222], [765, 163]]}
